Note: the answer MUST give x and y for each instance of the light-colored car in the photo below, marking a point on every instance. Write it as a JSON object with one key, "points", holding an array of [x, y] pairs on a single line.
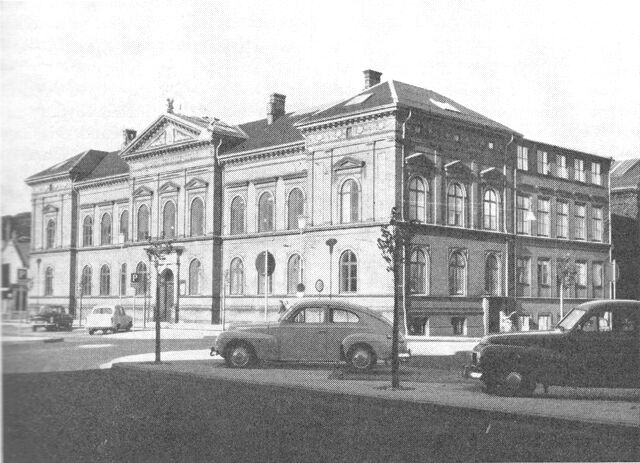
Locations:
{"points": [[313, 331], [108, 318]]}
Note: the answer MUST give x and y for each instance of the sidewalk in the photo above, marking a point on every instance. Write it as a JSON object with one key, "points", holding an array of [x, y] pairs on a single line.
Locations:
{"points": [[610, 407]]}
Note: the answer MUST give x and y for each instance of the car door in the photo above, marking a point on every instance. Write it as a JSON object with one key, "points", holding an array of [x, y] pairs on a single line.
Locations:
{"points": [[302, 335], [342, 323], [595, 347], [626, 361]]}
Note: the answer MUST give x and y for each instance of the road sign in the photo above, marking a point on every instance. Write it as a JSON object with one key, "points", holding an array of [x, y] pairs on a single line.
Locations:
{"points": [[22, 274], [138, 279]]}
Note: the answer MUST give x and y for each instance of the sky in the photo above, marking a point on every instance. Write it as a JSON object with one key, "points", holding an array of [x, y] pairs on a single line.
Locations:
{"points": [[73, 75]]}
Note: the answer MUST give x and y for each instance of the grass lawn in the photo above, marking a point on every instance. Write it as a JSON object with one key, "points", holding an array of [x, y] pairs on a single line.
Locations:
{"points": [[129, 415]]}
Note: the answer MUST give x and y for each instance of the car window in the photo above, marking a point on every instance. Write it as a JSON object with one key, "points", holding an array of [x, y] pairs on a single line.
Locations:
{"points": [[624, 320], [343, 316], [598, 322], [102, 311], [309, 315]]}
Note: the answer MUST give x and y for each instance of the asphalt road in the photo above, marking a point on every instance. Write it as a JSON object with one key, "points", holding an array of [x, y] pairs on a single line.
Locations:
{"points": [[77, 350]]}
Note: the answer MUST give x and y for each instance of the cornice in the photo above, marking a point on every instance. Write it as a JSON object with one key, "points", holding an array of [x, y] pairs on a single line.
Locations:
{"points": [[102, 181], [263, 153], [329, 122]]}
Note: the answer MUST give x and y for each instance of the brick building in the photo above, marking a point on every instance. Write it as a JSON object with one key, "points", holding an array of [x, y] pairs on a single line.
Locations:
{"points": [[625, 210], [299, 197]]}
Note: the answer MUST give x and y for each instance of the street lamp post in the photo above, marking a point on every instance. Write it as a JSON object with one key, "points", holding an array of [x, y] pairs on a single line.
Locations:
{"points": [[331, 242], [157, 253], [302, 223]]}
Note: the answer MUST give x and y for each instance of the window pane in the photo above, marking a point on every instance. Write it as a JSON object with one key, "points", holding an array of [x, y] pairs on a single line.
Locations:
{"points": [[197, 218], [237, 215], [348, 272], [194, 277], [417, 200], [296, 208], [169, 220], [349, 202], [143, 287], [87, 231], [456, 274], [105, 280], [343, 316], [265, 213], [143, 223], [105, 233], [490, 210], [417, 272], [237, 277], [124, 226], [86, 281]]}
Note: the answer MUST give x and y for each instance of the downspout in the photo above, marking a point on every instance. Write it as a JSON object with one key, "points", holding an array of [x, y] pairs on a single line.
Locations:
{"points": [[504, 219], [404, 248], [514, 231], [216, 150], [612, 287]]}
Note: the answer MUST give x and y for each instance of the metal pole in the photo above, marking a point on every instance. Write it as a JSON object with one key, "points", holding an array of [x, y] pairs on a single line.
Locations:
{"points": [[266, 286], [157, 313], [178, 284]]}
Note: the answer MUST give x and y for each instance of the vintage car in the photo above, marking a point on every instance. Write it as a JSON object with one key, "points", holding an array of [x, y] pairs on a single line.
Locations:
{"points": [[108, 318], [52, 317], [597, 344], [313, 331]]}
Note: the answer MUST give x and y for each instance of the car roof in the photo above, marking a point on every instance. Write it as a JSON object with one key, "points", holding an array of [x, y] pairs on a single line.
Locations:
{"points": [[341, 305], [613, 303]]}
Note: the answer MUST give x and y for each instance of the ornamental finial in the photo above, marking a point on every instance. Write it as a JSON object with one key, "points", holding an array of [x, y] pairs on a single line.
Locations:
{"points": [[170, 105]]}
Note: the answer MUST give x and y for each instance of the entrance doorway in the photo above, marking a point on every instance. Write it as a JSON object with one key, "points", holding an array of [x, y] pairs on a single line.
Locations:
{"points": [[166, 294]]}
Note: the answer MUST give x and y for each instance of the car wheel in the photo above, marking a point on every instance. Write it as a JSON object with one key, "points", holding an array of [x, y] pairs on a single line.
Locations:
{"points": [[515, 383], [129, 326], [91, 332], [240, 355], [361, 357]]}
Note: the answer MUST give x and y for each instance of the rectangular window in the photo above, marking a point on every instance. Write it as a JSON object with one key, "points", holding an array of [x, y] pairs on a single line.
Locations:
{"points": [[544, 278], [597, 274], [523, 158], [544, 223], [578, 167], [596, 173], [459, 325], [525, 322], [562, 225], [543, 163], [523, 212], [523, 275], [581, 275], [544, 322], [561, 166], [580, 222], [596, 218]]}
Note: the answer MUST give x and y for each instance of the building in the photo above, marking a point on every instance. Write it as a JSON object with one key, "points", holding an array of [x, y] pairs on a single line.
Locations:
{"points": [[625, 210], [292, 204], [15, 264]]}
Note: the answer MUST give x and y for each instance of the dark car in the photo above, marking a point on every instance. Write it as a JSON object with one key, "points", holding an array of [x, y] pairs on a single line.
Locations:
{"points": [[313, 331], [52, 317], [597, 344]]}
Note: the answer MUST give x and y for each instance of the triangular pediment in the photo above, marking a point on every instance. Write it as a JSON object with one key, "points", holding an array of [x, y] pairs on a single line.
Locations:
{"points": [[348, 163], [195, 183], [142, 191], [459, 170], [48, 209], [169, 187], [493, 176], [166, 131]]}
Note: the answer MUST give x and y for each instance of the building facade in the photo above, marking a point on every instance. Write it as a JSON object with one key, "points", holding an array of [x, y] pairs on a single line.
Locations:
{"points": [[625, 209], [15, 265], [291, 206]]}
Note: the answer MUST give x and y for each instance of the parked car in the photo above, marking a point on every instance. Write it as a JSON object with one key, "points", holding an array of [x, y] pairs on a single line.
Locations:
{"points": [[108, 318], [313, 331], [597, 344], [52, 317]]}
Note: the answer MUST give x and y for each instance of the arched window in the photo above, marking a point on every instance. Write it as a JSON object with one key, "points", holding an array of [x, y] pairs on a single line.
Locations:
{"points": [[265, 213], [143, 287], [349, 202], [123, 280], [492, 275], [105, 280], [236, 283], [124, 226], [260, 265], [169, 220], [490, 210], [87, 231], [197, 217], [143, 223], [194, 277], [51, 233], [418, 199], [296, 208], [457, 274], [85, 283], [105, 229], [294, 274], [237, 215], [455, 205], [348, 272], [48, 282], [418, 272]]}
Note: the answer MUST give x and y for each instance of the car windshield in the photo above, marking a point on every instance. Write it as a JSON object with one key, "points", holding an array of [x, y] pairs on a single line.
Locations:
{"points": [[285, 314], [570, 320], [48, 309], [102, 311]]}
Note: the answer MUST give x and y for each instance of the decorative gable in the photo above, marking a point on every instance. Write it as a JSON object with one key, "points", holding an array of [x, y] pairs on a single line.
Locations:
{"points": [[348, 163], [457, 169], [142, 191], [420, 161], [169, 187], [169, 135], [49, 209], [195, 184], [493, 176]]}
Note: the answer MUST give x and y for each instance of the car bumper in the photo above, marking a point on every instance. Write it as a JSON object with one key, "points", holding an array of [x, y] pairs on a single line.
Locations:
{"points": [[471, 372]]}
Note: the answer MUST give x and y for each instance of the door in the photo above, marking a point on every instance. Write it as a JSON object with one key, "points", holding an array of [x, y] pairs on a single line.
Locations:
{"points": [[166, 294], [342, 323], [303, 335]]}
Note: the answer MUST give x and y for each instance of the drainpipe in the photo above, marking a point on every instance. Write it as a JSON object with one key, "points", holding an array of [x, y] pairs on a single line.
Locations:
{"points": [[404, 248], [504, 227], [216, 151], [612, 287]]}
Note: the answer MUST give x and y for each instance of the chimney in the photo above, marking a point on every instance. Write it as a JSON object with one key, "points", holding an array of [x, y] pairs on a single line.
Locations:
{"points": [[275, 108], [128, 135], [371, 78]]}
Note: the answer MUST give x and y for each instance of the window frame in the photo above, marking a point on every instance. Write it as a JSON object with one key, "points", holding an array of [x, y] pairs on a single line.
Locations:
{"points": [[125, 238], [544, 168], [237, 216], [580, 222], [199, 225], [492, 276], [87, 231], [543, 216], [562, 170], [48, 281], [195, 279], [266, 222], [292, 215], [457, 274], [143, 234], [236, 277], [418, 271], [51, 234], [456, 204], [349, 213], [522, 158], [597, 230], [523, 205], [105, 280], [579, 173], [86, 283], [417, 201], [166, 225], [562, 219], [106, 229], [488, 203], [348, 272]]}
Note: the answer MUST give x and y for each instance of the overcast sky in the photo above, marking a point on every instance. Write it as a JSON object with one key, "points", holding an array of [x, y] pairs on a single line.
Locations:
{"points": [[74, 74]]}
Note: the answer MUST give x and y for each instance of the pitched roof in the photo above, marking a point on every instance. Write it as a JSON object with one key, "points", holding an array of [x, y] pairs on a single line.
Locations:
{"points": [[111, 164], [261, 134], [394, 92], [625, 173], [78, 166]]}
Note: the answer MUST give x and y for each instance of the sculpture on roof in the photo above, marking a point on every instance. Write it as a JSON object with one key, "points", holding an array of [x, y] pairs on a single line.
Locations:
{"points": [[170, 105]]}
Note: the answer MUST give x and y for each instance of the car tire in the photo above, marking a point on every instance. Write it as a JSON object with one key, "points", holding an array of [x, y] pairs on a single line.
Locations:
{"points": [[240, 355], [91, 332], [361, 357], [512, 383]]}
